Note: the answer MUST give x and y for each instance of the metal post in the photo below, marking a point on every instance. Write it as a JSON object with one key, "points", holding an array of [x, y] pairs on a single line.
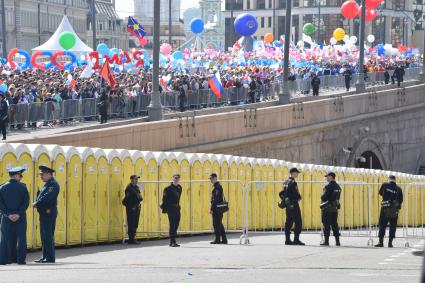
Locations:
{"points": [[422, 73], [318, 24], [155, 107], [93, 23], [169, 22], [232, 33], [3, 28], [284, 94], [274, 18], [360, 84]]}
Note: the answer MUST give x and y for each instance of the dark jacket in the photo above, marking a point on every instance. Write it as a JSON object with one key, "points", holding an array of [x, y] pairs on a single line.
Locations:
{"points": [[133, 197], [3, 110], [291, 191], [216, 196], [14, 198], [47, 197], [331, 194], [391, 192], [315, 82], [171, 197]]}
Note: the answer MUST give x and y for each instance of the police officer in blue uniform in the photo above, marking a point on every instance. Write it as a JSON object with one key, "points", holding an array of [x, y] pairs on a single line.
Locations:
{"points": [[14, 201], [330, 205], [392, 198], [46, 204]]}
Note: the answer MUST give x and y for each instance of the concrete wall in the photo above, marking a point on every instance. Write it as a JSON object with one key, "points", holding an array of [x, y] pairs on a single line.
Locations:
{"points": [[309, 132]]}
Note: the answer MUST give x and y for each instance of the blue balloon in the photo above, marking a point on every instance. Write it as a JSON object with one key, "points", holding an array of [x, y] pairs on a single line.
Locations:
{"points": [[3, 88], [177, 55], [197, 26], [246, 24], [145, 55], [103, 49], [277, 43], [114, 51]]}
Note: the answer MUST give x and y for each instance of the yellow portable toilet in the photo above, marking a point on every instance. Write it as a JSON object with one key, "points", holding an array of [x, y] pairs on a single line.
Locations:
{"points": [[279, 178], [116, 195], [274, 192], [241, 168], [141, 169], [196, 189], [207, 170], [24, 158], [340, 179], [224, 176], [58, 161], [128, 170], [152, 198], [233, 192], [165, 177], [260, 188], [254, 201], [317, 180], [89, 207], [349, 199], [268, 176], [102, 193], [307, 170], [74, 195], [40, 156], [247, 192], [8, 160]]}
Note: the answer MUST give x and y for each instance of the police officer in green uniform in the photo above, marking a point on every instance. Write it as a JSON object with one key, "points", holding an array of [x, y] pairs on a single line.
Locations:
{"points": [[171, 206], [14, 201], [330, 205], [46, 204], [392, 198], [132, 201]]}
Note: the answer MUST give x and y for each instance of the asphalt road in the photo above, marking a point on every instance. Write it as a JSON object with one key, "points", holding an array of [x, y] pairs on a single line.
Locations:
{"points": [[266, 259]]}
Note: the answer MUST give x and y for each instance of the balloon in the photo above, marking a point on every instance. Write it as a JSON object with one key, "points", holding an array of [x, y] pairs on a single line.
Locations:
{"points": [[349, 9], [143, 41], [309, 29], [197, 26], [371, 14], [333, 41], [67, 40], [268, 37], [113, 51], [372, 4], [165, 49], [339, 34], [353, 39], [178, 55], [21, 52], [300, 44], [63, 65], [346, 38], [3, 88], [103, 49], [246, 24], [370, 38], [277, 43]]}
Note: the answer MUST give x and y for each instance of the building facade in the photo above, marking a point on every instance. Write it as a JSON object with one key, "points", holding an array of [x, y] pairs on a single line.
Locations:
{"points": [[30, 23], [143, 12], [394, 24], [213, 35]]}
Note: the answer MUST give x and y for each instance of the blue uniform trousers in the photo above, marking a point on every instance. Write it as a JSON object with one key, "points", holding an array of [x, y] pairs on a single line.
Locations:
{"points": [[13, 243], [47, 234]]}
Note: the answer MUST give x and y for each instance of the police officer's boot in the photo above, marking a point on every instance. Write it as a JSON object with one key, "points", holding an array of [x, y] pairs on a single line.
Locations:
{"points": [[297, 241], [337, 242], [325, 242], [380, 244], [390, 242], [288, 239]]}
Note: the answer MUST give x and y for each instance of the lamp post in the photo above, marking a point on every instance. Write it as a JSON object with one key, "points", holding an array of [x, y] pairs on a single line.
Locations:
{"points": [[422, 74], [3, 26], [284, 94], [155, 107], [169, 22], [93, 23], [360, 84]]}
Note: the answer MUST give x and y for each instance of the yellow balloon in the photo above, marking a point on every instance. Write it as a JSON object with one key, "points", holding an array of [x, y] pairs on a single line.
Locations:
{"points": [[339, 34]]}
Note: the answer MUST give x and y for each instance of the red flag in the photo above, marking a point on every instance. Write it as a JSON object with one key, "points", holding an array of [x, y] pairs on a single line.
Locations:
{"points": [[72, 84], [107, 74]]}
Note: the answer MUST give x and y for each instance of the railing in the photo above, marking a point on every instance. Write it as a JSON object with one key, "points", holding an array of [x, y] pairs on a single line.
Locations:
{"points": [[124, 106]]}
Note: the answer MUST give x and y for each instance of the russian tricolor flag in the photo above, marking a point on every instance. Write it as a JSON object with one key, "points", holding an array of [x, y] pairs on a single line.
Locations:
{"points": [[215, 85]]}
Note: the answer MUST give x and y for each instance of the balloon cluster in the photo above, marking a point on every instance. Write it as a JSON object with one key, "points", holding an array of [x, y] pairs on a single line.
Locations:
{"points": [[350, 9]]}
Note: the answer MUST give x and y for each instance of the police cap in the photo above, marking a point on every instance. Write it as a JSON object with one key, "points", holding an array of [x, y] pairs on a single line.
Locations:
{"points": [[213, 175], [176, 175], [45, 169], [332, 174], [391, 177], [294, 170], [134, 177], [16, 170]]}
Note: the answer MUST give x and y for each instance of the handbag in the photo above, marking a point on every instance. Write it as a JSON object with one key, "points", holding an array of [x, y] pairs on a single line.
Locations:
{"points": [[222, 207]]}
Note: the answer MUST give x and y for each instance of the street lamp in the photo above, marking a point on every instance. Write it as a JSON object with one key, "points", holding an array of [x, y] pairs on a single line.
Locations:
{"points": [[284, 94], [422, 74], [360, 84], [155, 107]]}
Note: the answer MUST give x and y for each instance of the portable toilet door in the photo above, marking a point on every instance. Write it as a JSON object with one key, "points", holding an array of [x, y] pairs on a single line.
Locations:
{"points": [[241, 163], [102, 195], [196, 188], [307, 197], [74, 196], [349, 199], [128, 170], [224, 175], [40, 155], [270, 194], [206, 194], [115, 195], [340, 179], [165, 177], [24, 158], [8, 160], [248, 179], [89, 171], [317, 180], [141, 169], [58, 160], [255, 195], [278, 177], [152, 200]]}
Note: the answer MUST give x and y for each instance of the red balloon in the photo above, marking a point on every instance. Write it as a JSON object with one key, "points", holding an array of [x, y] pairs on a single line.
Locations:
{"points": [[371, 14], [349, 9], [372, 4]]}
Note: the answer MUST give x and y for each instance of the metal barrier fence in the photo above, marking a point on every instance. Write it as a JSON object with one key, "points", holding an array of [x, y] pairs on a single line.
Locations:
{"points": [[124, 106], [195, 207]]}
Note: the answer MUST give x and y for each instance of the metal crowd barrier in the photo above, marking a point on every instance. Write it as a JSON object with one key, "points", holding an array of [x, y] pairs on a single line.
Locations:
{"points": [[196, 204]]}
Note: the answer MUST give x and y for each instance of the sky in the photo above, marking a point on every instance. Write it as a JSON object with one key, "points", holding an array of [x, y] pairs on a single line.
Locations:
{"points": [[125, 6]]}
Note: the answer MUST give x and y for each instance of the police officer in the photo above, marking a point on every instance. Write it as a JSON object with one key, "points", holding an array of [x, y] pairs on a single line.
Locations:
{"points": [[3, 114], [132, 201], [46, 204], [217, 197], [14, 201], [392, 198], [171, 206], [330, 205], [291, 196]]}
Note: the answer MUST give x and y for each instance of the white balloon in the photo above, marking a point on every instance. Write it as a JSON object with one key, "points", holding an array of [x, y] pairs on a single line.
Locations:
{"points": [[93, 60], [353, 39], [333, 41], [69, 77], [370, 38], [83, 57], [346, 38], [300, 44]]}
